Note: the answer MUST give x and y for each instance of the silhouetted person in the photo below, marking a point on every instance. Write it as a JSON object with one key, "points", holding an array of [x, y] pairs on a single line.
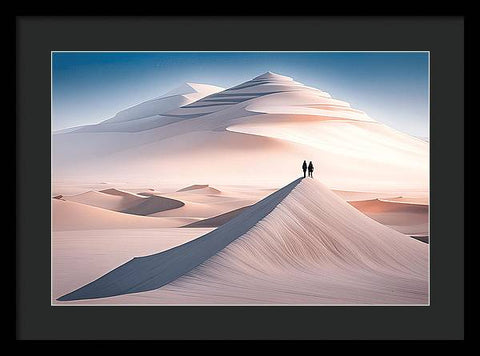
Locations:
{"points": [[310, 169], [304, 167]]}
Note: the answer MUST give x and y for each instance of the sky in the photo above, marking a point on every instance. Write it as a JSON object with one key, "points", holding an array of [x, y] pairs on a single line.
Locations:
{"points": [[391, 87]]}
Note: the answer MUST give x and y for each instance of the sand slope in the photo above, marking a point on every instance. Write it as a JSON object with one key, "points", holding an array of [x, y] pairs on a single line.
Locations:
{"points": [[405, 217], [200, 188], [151, 113], [67, 215], [302, 244], [219, 219], [254, 133], [151, 272], [125, 202], [80, 256], [111, 199], [154, 204]]}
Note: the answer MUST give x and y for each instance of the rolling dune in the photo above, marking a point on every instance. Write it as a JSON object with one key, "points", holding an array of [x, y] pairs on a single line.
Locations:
{"points": [[301, 244], [154, 204], [125, 202], [405, 217], [255, 133], [68, 215], [217, 220], [200, 188], [111, 199]]}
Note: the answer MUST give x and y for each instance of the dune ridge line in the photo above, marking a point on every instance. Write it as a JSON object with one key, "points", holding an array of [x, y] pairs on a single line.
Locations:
{"points": [[154, 271]]}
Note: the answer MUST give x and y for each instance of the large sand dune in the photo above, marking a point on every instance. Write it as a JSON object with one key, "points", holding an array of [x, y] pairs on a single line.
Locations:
{"points": [[257, 133], [151, 113], [301, 244]]}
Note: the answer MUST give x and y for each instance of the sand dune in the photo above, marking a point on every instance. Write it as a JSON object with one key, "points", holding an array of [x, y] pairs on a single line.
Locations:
{"points": [[117, 192], [254, 133], [125, 202], [80, 256], [422, 200], [151, 113], [407, 218], [159, 270], [301, 244], [200, 188], [204, 201], [154, 204], [174, 209], [203, 210], [68, 215], [218, 220], [380, 206], [354, 195], [110, 199]]}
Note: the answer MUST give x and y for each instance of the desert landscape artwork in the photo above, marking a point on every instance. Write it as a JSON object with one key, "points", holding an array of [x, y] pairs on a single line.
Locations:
{"points": [[240, 178]]}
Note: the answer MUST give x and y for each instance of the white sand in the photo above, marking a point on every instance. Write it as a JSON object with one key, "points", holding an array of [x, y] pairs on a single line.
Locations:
{"points": [[80, 256], [255, 133], [114, 208], [109, 199], [68, 215], [235, 146], [312, 248], [397, 213], [218, 220]]}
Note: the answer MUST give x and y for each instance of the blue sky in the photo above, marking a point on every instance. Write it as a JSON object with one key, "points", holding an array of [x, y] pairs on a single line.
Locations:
{"points": [[89, 87]]}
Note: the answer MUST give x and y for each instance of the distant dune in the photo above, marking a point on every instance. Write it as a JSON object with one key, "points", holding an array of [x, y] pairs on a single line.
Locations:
{"points": [[117, 192], [111, 199], [301, 244], [254, 133], [218, 220], [154, 204], [173, 209], [405, 217], [69, 215], [423, 200], [200, 188], [125, 202], [381, 206]]}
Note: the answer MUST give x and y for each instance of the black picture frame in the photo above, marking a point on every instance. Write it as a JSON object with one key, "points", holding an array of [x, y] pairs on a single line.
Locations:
{"points": [[37, 36]]}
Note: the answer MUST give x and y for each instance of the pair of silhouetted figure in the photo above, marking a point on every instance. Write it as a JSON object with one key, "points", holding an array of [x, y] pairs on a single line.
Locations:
{"points": [[310, 169]]}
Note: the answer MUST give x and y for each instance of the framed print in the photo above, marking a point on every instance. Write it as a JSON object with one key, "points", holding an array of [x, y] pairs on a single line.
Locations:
{"points": [[241, 182]]}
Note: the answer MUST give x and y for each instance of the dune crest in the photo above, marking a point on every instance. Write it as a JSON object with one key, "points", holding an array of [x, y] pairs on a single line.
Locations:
{"points": [[69, 215], [115, 202], [300, 244], [126, 202], [218, 220], [151, 272], [200, 188], [229, 136], [406, 217], [154, 204]]}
